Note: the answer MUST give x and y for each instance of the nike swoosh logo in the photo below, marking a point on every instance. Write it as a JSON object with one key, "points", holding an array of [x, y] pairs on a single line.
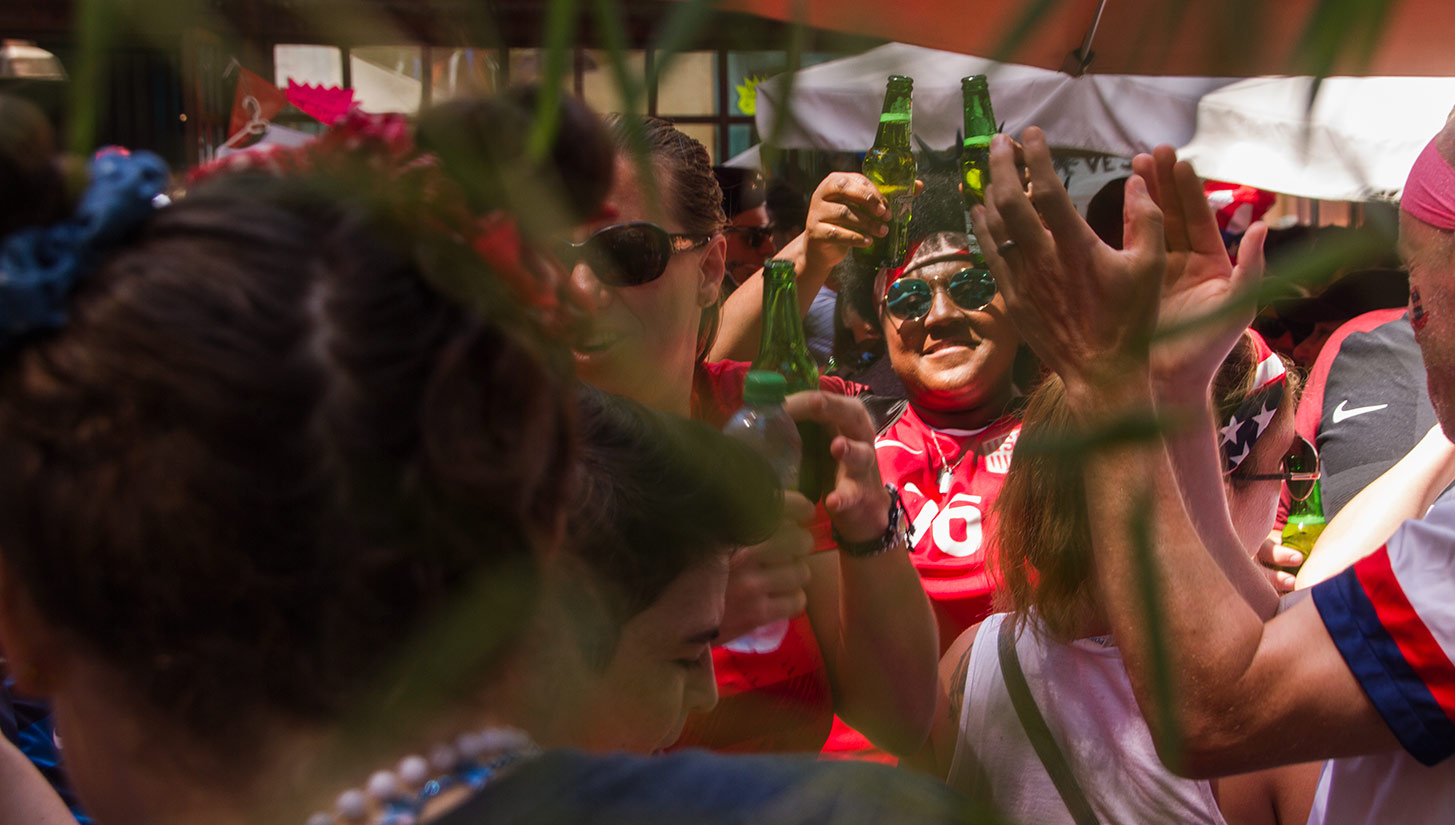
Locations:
{"points": [[1341, 414]]}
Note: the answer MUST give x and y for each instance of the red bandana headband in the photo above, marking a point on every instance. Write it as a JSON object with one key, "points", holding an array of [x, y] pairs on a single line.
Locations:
{"points": [[1251, 419], [1429, 192], [943, 246]]}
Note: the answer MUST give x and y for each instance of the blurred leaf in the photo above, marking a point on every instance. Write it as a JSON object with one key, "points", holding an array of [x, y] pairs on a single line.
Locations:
{"points": [[1033, 18], [684, 26], [783, 114], [95, 27], [1341, 30], [1142, 532], [562, 19]]}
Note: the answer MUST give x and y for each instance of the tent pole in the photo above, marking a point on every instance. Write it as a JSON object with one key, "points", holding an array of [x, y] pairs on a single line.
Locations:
{"points": [[1077, 62]]}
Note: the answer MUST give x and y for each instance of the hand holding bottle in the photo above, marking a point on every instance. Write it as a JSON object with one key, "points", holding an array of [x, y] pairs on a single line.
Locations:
{"points": [[857, 502], [845, 212], [766, 581]]}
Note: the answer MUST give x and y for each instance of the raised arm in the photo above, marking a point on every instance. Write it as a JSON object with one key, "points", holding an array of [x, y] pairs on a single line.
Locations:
{"points": [[1222, 691], [871, 615], [846, 211], [1198, 281]]}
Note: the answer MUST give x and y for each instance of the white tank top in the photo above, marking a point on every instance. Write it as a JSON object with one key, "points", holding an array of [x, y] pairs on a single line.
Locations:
{"points": [[1083, 692]]}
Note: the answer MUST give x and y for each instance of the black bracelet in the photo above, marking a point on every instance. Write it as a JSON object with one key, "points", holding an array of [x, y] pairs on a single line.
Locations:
{"points": [[898, 529]]}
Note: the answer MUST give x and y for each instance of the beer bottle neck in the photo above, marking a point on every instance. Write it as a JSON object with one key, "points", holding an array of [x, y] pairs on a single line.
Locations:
{"points": [[894, 122], [979, 117], [781, 348]]}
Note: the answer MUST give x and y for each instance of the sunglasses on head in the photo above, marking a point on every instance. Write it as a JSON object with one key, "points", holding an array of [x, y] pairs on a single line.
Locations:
{"points": [[754, 236], [1300, 470], [629, 254], [910, 297]]}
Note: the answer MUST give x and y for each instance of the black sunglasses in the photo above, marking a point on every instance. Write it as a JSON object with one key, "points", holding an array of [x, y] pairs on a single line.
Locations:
{"points": [[910, 298], [629, 254], [1300, 470], [754, 236]]}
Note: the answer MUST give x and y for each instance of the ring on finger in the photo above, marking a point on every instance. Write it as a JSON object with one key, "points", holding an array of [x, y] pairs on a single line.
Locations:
{"points": [[1005, 248]]}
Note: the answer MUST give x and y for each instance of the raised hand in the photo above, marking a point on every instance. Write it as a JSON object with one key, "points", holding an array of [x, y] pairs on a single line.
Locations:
{"points": [[1086, 309], [846, 211], [1206, 302], [858, 504]]}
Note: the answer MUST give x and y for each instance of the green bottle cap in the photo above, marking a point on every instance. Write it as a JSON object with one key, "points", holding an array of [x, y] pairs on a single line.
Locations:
{"points": [[763, 387]]}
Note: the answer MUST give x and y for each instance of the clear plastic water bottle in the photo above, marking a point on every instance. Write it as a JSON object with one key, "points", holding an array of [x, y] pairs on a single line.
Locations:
{"points": [[764, 425]]}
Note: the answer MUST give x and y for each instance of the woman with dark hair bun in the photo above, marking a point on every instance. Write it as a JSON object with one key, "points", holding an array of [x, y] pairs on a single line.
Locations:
{"points": [[283, 470]]}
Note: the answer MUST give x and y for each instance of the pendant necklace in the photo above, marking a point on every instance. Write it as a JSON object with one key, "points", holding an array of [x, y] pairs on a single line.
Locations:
{"points": [[947, 470]]}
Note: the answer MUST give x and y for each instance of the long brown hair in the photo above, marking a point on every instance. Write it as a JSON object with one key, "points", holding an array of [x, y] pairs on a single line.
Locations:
{"points": [[1041, 554]]}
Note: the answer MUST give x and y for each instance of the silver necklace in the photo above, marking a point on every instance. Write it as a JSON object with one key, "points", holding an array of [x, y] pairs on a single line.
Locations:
{"points": [[947, 470]]}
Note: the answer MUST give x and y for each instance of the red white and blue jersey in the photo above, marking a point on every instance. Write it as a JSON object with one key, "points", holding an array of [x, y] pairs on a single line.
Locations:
{"points": [[1392, 617], [950, 514]]}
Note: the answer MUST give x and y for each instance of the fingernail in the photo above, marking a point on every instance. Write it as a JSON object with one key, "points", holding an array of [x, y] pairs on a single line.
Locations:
{"points": [[882, 230]]}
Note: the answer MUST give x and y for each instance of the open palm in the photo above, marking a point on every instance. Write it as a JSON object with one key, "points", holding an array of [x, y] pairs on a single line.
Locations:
{"points": [[1206, 302]]}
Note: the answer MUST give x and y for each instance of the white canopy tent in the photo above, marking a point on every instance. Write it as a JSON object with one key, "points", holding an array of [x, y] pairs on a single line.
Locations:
{"points": [[835, 105], [1357, 142]]}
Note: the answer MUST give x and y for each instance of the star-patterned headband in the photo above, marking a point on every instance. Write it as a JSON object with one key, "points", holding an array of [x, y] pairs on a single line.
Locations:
{"points": [[1249, 421]]}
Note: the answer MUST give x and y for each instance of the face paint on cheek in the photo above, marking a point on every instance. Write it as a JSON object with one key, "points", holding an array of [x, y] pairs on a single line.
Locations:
{"points": [[1418, 316]]}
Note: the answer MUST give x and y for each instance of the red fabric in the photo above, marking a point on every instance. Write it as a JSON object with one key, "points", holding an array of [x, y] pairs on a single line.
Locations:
{"points": [[1311, 405], [325, 104], [270, 100], [950, 529], [1403, 624], [1236, 206], [768, 702]]}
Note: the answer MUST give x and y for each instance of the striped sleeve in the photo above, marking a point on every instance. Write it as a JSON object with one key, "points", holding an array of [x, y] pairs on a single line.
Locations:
{"points": [[1392, 617]]}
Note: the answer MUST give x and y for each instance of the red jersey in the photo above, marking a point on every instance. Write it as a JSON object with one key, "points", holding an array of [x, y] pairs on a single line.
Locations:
{"points": [[778, 701], [950, 511], [951, 518]]}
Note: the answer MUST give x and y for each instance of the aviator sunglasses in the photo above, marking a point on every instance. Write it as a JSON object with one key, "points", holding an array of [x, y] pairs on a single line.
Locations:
{"points": [[910, 298], [1300, 470], [753, 236], [629, 254]]}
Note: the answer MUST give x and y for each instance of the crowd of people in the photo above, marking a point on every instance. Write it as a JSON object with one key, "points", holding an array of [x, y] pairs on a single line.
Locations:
{"points": [[381, 480]]}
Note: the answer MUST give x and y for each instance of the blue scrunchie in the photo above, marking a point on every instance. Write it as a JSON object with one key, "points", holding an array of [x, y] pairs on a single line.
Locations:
{"points": [[40, 265]]}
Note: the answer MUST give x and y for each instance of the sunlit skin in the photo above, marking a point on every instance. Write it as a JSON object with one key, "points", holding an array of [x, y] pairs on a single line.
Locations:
{"points": [[661, 668], [641, 341], [743, 259], [955, 363], [1429, 254]]}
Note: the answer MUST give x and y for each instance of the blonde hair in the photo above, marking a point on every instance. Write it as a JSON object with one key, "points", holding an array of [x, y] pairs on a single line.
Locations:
{"points": [[1041, 554]]}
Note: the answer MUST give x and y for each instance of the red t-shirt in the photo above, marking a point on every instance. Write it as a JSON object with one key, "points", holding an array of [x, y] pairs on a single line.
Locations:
{"points": [[778, 701]]}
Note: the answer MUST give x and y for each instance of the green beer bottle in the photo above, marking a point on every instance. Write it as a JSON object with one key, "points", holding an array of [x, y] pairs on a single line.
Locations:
{"points": [[782, 350], [1305, 524], [979, 129], [890, 165]]}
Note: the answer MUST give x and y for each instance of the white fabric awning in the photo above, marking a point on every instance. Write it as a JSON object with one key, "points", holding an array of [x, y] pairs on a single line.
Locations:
{"points": [[836, 105], [1356, 142]]}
